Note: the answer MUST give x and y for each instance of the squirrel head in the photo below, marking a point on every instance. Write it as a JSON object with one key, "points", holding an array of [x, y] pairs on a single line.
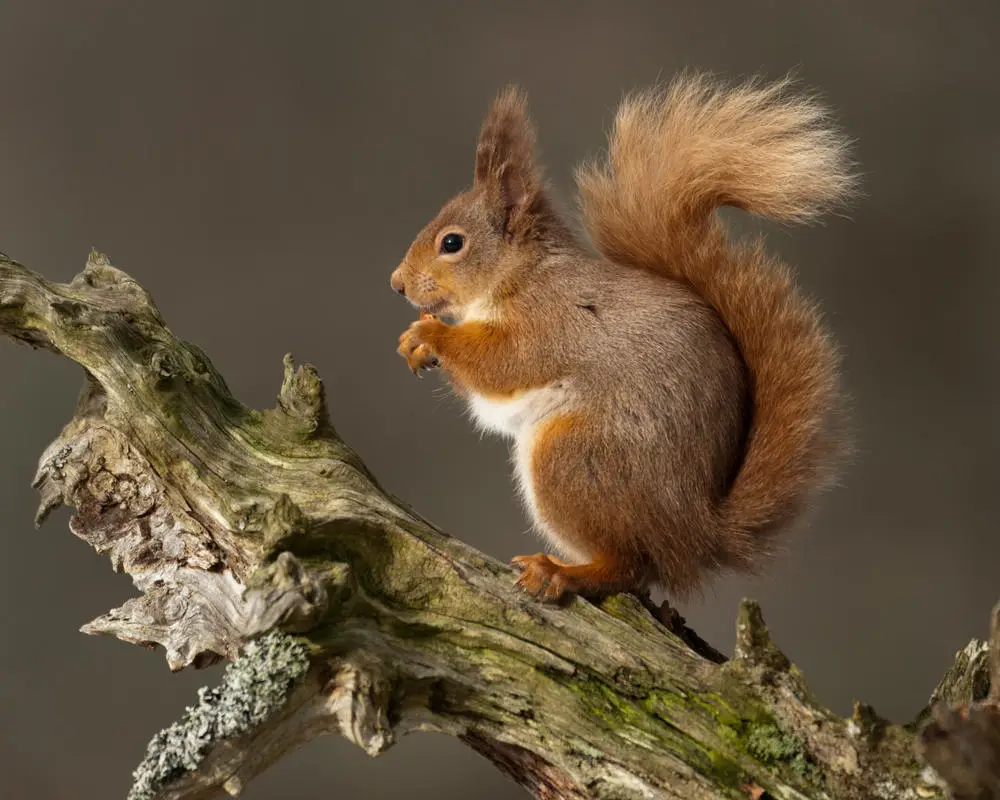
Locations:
{"points": [[482, 237]]}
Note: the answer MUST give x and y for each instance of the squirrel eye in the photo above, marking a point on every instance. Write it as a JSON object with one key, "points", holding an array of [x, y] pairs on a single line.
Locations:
{"points": [[452, 243]]}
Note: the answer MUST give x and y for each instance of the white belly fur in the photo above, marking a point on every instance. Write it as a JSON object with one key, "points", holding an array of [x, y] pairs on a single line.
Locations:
{"points": [[509, 417], [519, 418]]}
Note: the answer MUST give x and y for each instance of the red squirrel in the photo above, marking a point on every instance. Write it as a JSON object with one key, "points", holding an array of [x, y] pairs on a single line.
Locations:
{"points": [[673, 398]]}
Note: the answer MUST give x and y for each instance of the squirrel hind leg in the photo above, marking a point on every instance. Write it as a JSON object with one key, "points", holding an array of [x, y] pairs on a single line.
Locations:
{"points": [[552, 580]]}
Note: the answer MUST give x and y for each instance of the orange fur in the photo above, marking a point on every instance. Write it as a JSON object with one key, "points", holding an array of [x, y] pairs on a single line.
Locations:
{"points": [[470, 352], [672, 402]]}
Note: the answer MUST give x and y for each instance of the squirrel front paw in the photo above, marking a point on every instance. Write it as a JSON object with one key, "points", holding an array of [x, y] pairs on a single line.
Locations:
{"points": [[413, 347]]}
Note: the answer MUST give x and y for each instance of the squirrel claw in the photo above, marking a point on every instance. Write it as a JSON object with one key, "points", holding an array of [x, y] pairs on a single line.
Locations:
{"points": [[421, 360], [417, 353], [541, 577]]}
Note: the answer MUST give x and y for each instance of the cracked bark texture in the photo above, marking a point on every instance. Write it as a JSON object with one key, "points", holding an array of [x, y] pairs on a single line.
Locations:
{"points": [[260, 538]]}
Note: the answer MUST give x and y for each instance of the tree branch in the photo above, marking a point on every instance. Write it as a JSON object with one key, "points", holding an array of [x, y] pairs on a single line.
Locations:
{"points": [[261, 538]]}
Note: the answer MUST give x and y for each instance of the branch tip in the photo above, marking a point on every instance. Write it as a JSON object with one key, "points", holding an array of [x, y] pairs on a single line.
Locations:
{"points": [[97, 259], [51, 499], [753, 641], [197, 616], [866, 723], [302, 398], [967, 680]]}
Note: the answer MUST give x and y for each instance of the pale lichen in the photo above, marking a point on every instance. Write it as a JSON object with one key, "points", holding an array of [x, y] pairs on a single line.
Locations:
{"points": [[769, 744], [253, 687]]}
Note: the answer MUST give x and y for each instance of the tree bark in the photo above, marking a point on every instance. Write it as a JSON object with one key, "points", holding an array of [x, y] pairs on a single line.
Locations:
{"points": [[259, 537]]}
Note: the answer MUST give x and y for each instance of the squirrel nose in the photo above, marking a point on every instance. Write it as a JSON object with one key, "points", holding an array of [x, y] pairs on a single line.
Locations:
{"points": [[396, 282]]}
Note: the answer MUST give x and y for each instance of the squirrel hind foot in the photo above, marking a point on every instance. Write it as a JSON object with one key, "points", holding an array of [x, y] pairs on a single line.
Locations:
{"points": [[553, 581]]}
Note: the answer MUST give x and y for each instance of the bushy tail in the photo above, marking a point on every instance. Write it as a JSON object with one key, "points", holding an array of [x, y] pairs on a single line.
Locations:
{"points": [[675, 156]]}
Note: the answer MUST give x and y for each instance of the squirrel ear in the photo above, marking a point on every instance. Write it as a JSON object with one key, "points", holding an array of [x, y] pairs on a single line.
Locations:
{"points": [[505, 159]]}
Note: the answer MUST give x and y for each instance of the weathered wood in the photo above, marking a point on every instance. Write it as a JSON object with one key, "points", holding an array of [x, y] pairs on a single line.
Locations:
{"points": [[261, 538]]}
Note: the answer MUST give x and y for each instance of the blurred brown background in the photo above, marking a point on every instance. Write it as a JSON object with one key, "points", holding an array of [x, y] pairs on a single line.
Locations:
{"points": [[261, 168]]}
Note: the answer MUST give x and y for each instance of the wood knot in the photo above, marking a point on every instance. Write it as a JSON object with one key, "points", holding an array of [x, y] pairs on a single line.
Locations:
{"points": [[285, 594]]}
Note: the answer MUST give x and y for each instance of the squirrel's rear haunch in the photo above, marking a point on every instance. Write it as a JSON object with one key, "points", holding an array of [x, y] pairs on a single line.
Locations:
{"points": [[674, 158]]}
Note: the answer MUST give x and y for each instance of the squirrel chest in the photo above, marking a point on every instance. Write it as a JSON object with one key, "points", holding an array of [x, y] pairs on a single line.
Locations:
{"points": [[518, 417], [513, 415]]}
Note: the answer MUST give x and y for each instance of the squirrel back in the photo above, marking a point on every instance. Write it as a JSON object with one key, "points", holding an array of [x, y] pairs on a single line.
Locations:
{"points": [[674, 158]]}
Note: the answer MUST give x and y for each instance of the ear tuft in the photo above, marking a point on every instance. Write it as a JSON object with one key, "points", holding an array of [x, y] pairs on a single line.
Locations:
{"points": [[505, 155], [507, 137]]}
